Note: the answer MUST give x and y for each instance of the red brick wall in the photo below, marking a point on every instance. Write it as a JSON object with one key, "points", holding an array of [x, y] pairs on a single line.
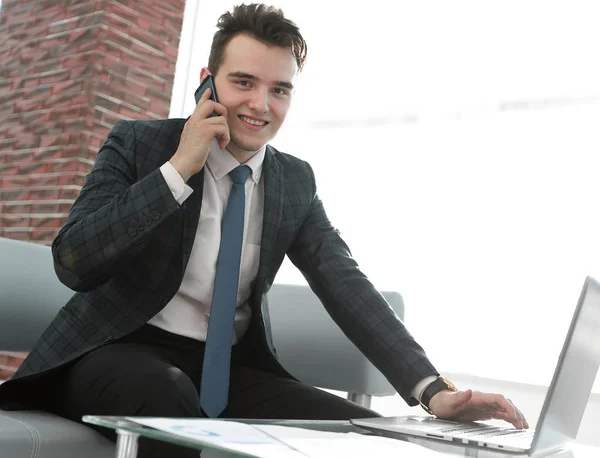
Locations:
{"points": [[69, 69]]}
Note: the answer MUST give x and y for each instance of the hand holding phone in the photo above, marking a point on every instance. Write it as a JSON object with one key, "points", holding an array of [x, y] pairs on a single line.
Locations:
{"points": [[207, 122], [207, 83]]}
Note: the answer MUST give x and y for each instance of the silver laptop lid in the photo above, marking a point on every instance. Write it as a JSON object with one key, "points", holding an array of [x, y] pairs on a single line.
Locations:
{"points": [[574, 375]]}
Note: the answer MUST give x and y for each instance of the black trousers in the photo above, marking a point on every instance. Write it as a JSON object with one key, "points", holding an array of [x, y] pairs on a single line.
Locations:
{"points": [[152, 372]]}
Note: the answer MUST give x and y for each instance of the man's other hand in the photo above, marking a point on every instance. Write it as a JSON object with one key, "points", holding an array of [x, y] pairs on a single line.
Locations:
{"points": [[474, 405]]}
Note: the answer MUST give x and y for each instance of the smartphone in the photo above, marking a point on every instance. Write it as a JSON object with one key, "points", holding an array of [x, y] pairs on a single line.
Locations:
{"points": [[208, 82]]}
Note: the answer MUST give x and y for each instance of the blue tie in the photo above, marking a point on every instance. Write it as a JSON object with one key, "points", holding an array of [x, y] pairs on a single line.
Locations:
{"points": [[214, 387]]}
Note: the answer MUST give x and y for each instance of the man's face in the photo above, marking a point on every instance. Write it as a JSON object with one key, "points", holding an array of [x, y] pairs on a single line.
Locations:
{"points": [[254, 83]]}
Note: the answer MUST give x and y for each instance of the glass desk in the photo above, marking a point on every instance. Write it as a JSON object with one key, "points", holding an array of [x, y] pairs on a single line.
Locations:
{"points": [[128, 433]]}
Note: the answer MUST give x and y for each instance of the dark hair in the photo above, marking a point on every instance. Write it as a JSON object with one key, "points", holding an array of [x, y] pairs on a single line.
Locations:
{"points": [[265, 23]]}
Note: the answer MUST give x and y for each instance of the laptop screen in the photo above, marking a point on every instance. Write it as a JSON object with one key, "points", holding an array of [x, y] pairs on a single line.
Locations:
{"points": [[574, 376]]}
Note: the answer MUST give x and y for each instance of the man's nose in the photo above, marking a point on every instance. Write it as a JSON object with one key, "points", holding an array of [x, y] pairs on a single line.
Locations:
{"points": [[259, 101]]}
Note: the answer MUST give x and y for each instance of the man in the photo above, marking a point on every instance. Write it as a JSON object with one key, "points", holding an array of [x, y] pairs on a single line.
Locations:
{"points": [[173, 244]]}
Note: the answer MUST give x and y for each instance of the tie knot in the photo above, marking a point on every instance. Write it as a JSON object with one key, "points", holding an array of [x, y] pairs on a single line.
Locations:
{"points": [[240, 174]]}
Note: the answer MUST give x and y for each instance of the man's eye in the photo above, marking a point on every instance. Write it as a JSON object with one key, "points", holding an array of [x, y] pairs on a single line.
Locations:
{"points": [[244, 83], [280, 91]]}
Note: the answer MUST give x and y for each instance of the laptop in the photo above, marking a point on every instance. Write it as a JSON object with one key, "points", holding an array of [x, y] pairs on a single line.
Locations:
{"points": [[563, 407]]}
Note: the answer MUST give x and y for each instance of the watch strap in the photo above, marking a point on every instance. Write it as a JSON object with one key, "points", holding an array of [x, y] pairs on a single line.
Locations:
{"points": [[440, 384]]}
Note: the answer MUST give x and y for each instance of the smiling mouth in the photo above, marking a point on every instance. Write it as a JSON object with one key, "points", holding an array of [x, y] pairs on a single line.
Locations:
{"points": [[253, 122]]}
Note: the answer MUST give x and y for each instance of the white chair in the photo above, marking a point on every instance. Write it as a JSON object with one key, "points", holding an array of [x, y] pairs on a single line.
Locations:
{"points": [[314, 350]]}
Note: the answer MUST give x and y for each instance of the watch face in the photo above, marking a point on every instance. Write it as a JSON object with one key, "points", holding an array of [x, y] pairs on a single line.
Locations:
{"points": [[448, 383]]}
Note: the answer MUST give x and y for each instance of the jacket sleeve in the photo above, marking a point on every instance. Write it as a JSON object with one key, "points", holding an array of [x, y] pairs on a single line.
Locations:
{"points": [[113, 216], [354, 303]]}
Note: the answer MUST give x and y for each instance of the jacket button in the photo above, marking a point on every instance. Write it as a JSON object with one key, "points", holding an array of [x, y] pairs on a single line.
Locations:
{"points": [[139, 226], [155, 215], [147, 220], [131, 231]]}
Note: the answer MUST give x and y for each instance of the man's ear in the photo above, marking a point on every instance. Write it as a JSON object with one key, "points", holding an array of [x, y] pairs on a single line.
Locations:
{"points": [[204, 73]]}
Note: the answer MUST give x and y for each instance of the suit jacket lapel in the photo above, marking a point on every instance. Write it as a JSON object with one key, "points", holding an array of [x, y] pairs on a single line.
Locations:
{"points": [[191, 215], [273, 176]]}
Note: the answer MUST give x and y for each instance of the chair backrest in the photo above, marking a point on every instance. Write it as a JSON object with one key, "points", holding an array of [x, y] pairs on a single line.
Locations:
{"points": [[30, 293], [313, 348]]}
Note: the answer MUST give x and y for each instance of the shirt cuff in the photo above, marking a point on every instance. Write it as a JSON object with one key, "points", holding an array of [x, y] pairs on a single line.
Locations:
{"points": [[420, 387], [179, 189]]}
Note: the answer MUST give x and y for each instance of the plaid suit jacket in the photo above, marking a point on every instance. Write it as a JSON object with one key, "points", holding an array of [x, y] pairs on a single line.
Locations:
{"points": [[126, 243]]}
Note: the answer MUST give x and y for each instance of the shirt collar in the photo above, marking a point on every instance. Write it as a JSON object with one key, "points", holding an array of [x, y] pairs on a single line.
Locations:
{"points": [[220, 162]]}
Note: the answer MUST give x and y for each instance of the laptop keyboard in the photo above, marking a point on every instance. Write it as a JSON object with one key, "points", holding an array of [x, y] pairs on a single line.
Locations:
{"points": [[485, 431]]}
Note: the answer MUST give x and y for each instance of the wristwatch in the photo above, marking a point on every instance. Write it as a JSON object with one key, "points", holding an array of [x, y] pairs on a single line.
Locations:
{"points": [[441, 383]]}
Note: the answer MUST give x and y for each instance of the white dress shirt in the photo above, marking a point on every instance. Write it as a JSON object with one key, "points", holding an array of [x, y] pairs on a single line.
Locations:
{"points": [[188, 312]]}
